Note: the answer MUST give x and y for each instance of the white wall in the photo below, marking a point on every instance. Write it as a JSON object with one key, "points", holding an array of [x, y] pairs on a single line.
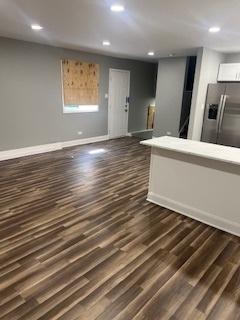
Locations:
{"points": [[206, 72], [169, 94]]}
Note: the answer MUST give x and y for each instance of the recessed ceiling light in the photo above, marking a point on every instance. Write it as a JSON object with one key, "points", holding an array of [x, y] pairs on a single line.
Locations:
{"points": [[106, 43], [214, 29], [36, 27], [151, 53], [117, 8], [171, 55]]}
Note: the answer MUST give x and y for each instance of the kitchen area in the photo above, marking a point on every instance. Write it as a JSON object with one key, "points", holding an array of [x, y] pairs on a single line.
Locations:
{"points": [[221, 122], [200, 176]]}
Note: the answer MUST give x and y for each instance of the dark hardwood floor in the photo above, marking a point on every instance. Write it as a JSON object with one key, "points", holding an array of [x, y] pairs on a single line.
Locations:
{"points": [[78, 240]]}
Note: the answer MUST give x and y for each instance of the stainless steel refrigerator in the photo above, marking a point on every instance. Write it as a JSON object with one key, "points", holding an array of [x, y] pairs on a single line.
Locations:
{"points": [[221, 123]]}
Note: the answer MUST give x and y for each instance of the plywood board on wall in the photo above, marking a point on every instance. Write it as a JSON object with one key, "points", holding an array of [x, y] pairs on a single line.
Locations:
{"points": [[80, 82], [150, 118]]}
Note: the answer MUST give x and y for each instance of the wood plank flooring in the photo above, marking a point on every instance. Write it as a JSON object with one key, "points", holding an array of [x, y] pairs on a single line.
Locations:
{"points": [[78, 240]]}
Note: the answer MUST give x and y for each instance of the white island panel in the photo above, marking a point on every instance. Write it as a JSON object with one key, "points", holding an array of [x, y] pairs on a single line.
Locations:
{"points": [[184, 179]]}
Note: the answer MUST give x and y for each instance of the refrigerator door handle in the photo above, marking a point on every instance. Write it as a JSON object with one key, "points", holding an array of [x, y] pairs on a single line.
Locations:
{"points": [[222, 113], [219, 110]]}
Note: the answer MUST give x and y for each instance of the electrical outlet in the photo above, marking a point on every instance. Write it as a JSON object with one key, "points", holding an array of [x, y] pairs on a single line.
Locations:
{"points": [[169, 133], [79, 133]]}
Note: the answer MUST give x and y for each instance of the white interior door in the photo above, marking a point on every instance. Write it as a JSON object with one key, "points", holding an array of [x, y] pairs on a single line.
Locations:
{"points": [[118, 103]]}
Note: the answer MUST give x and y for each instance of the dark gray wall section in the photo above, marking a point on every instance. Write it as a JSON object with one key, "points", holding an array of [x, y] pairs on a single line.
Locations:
{"points": [[31, 95], [232, 57], [170, 84]]}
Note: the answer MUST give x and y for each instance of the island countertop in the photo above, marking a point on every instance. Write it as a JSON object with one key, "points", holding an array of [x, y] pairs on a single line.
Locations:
{"points": [[196, 148]]}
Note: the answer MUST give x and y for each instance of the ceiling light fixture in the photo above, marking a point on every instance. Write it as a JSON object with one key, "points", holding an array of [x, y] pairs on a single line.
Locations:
{"points": [[36, 27], [106, 43], [214, 29], [151, 53], [117, 8], [171, 55]]}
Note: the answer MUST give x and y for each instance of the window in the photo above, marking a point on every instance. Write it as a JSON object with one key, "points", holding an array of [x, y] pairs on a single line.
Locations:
{"points": [[80, 108], [80, 83]]}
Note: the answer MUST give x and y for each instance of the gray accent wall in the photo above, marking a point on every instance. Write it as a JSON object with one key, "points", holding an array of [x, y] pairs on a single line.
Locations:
{"points": [[31, 95], [232, 57], [169, 94]]}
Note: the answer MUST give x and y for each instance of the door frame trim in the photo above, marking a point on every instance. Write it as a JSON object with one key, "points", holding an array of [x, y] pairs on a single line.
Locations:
{"points": [[109, 113]]}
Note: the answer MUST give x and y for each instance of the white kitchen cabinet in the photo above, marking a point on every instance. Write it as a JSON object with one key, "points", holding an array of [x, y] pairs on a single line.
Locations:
{"points": [[229, 72]]}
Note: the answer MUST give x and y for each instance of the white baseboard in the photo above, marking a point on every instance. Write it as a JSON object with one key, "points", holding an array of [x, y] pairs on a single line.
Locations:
{"points": [[28, 151], [196, 214], [142, 131], [130, 134], [79, 142]]}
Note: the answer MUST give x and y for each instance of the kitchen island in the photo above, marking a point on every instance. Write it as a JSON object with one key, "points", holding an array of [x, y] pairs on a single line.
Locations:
{"points": [[196, 179]]}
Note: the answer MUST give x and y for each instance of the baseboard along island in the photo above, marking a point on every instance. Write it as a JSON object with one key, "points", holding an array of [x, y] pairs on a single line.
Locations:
{"points": [[197, 179]]}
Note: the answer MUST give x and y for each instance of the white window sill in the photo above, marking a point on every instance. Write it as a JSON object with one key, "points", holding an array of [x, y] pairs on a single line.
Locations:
{"points": [[81, 109]]}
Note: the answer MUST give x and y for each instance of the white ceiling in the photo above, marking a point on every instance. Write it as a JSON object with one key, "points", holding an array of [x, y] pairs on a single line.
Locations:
{"points": [[164, 26]]}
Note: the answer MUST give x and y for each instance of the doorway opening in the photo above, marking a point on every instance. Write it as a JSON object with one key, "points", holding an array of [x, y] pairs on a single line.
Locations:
{"points": [[187, 96]]}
